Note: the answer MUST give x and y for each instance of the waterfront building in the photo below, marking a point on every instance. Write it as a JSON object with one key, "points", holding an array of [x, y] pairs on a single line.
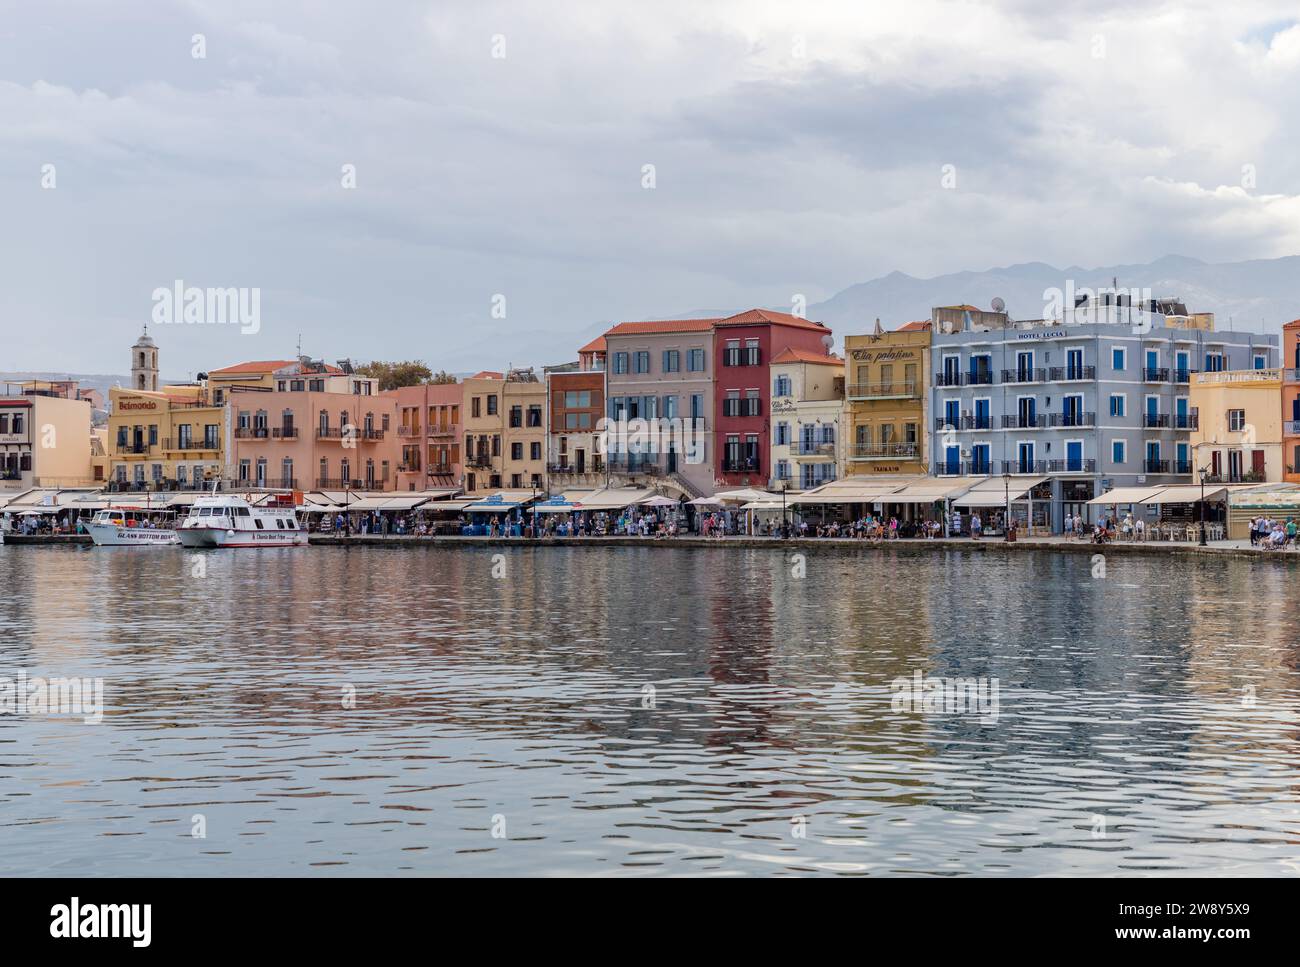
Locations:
{"points": [[744, 346], [484, 426], [275, 374], [523, 450], [1238, 436], [1291, 401], [161, 437], [309, 425], [1096, 399], [886, 401], [45, 440], [662, 369], [807, 402], [577, 402], [428, 432]]}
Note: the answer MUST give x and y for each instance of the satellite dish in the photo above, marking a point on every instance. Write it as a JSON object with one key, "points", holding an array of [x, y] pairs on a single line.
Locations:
{"points": [[998, 304], [828, 341]]}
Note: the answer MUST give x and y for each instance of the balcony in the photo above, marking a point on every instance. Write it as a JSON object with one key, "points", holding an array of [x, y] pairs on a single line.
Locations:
{"points": [[1155, 466], [1018, 421], [742, 357], [408, 431], [885, 451], [1291, 427], [977, 379], [136, 448], [1182, 466], [352, 431], [1242, 476], [1072, 419], [1291, 375], [1027, 375], [191, 444], [1184, 375], [1155, 421], [884, 391], [746, 407], [1015, 467], [963, 468], [1186, 421], [965, 422], [481, 461], [644, 466], [338, 483], [806, 449], [740, 465], [1072, 466], [1063, 374], [1155, 375], [266, 433], [947, 379]]}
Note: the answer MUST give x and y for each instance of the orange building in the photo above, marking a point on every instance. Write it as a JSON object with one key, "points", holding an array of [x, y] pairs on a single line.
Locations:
{"points": [[1291, 402], [428, 433]]}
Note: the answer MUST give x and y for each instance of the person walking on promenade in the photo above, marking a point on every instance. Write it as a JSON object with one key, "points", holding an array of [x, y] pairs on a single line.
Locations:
{"points": [[976, 526]]}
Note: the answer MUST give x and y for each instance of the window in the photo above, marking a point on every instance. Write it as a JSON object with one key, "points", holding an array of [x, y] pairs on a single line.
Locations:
{"points": [[516, 451], [753, 402], [492, 405], [697, 406], [535, 450], [781, 386], [781, 436], [751, 352], [620, 363], [672, 361], [517, 415], [534, 414], [1261, 362], [1118, 359], [643, 361], [1117, 404], [1236, 421], [475, 406], [731, 353], [695, 360], [577, 421], [1118, 451], [577, 398]]}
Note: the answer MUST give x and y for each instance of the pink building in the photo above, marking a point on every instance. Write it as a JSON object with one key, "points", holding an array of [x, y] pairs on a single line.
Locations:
{"points": [[308, 440], [428, 435]]}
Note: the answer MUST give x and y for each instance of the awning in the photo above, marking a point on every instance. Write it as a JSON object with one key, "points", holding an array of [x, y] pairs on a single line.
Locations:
{"points": [[1126, 495], [565, 503], [762, 505], [930, 490], [1186, 494], [995, 491], [744, 495], [405, 502], [614, 498], [445, 506], [366, 503], [853, 490]]}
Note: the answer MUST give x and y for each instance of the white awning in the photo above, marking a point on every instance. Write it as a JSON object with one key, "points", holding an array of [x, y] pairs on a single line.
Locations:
{"points": [[995, 491], [853, 490], [1187, 494], [614, 498], [744, 495], [1126, 495], [930, 490]]}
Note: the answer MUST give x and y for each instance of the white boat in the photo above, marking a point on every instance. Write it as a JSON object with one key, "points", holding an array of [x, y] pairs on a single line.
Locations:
{"points": [[133, 527], [229, 520]]}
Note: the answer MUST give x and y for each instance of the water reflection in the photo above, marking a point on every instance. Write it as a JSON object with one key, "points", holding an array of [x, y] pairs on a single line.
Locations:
{"points": [[1157, 704]]}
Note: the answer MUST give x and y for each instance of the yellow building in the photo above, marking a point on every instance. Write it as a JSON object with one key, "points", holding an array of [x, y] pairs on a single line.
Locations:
{"points": [[1238, 428], [523, 401], [172, 439], [884, 423], [484, 426], [45, 441]]}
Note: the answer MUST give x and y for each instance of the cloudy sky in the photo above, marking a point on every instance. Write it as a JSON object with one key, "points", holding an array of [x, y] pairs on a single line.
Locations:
{"points": [[500, 149]]}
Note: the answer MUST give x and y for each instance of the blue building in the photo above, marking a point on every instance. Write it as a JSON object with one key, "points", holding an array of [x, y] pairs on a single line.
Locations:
{"points": [[1071, 408]]}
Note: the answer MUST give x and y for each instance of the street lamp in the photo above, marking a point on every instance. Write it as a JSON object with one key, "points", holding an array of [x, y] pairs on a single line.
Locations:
{"points": [[1006, 519], [783, 485], [1204, 542]]}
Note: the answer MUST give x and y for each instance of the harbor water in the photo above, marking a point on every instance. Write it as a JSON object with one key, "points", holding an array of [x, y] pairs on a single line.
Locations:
{"points": [[649, 711]]}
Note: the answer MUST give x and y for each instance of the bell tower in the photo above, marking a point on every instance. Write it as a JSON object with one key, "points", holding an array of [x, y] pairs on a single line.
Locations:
{"points": [[144, 363]]}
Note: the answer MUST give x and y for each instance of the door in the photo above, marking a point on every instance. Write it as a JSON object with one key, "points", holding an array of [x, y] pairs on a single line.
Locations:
{"points": [[1183, 362], [1024, 367], [981, 414], [952, 460], [1153, 363], [1153, 410], [1025, 463], [581, 457], [1028, 411], [980, 463], [1074, 364], [952, 412], [1153, 456], [1184, 454], [1074, 456]]}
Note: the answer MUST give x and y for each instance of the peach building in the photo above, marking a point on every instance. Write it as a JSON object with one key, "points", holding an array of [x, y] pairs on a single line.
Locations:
{"points": [[326, 429], [484, 425], [428, 433]]}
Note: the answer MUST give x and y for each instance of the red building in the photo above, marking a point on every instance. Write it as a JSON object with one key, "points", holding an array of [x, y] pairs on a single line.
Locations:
{"points": [[743, 347]]}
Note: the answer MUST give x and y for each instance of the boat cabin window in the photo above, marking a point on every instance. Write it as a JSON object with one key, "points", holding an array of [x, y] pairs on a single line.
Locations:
{"points": [[241, 511]]}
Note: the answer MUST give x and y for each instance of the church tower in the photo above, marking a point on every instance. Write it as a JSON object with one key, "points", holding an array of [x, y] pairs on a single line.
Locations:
{"points": [[144, 363]]}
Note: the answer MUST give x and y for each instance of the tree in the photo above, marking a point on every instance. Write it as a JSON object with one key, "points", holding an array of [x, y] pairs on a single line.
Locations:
{"points": [[442, 377], [411, 372]]}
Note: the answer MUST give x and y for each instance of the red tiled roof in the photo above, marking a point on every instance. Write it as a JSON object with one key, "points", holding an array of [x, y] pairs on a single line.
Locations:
{"points": [[597, 345], [488, 374], [922, 325], [661, 325], [1293, 324], [759, 316], [791, 355], [262, 366]]}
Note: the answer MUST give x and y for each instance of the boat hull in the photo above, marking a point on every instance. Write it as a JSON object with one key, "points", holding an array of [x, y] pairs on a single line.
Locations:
{"points": [[110, 535], [201, 537]]}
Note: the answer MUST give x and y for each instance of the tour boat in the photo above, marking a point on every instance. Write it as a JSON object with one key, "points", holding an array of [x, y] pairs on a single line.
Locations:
{"points": [[133, 527], [229, 520]]}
